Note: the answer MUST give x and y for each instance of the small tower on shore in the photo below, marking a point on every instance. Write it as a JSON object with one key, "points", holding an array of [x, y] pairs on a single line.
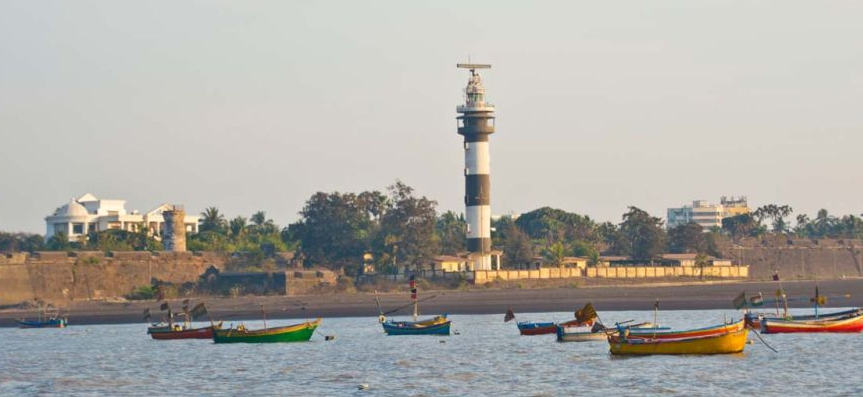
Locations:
{"points": [[475, 124], [174, 234]]}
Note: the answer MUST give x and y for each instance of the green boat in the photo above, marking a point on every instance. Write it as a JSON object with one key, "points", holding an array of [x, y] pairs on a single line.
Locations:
{"points": [[291, 333]]}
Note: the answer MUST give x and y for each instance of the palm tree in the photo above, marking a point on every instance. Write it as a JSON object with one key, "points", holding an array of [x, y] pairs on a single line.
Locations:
{"points": [[701, 261], [212, 220], [555, 253], [237, 226], [261, 223]]}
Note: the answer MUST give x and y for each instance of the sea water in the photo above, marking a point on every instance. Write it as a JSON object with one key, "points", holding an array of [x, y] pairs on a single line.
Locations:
{"points": [[484, 356]]}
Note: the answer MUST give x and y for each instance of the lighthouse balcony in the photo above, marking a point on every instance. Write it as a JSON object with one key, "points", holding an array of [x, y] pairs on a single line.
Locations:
{"points": [[485, 107]]}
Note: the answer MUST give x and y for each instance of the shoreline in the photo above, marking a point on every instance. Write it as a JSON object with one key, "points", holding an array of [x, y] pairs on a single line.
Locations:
{"points": [[672, 296]]}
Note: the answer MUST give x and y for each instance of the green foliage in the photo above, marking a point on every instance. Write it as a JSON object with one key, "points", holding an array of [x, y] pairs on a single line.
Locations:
{"points": [[688, 238], [777, 215], [640, 235], [555, 225], [407, 229], [555, 253], [212, 220], [518, 249], [59, 242], [744, 225], [21, 242], [144, 292], [450, 229], [586, 250]]}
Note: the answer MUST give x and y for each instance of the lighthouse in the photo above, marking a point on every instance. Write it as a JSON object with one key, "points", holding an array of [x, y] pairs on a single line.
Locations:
{"points": [[475, 124]]}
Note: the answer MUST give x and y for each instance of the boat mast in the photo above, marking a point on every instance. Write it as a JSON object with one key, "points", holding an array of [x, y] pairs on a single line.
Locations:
{"points": [[264, 315], [413, 285]]}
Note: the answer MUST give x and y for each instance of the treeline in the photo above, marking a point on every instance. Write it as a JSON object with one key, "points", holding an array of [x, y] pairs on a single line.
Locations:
{"points": [[403, 230]]}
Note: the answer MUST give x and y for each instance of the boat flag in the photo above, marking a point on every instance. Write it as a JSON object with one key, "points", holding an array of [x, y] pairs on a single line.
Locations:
{"points": [[198, 311], [147, 316], [740, 301], [510, 315], [164, 306], [413, 285], [756, 300], [586, 313], [819, 299]]}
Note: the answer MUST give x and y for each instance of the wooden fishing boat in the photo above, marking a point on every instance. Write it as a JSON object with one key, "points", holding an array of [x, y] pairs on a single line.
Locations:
{"points": [[725, 343], [754, 319], [848, 323], [541, 328], [46, 319], [53, 322], [651, 332], [167, 332], [438, 325], [170, 330], [291, 333], [580, 332]]}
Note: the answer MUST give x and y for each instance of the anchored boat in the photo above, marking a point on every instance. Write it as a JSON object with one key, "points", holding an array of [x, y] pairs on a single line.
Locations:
{"points": [[170, 330], [438, 325], [841, 322], [45, 320], [724, 343], [291, 333]]}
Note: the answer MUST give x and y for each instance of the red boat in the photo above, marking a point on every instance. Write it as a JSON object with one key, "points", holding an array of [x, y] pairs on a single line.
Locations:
{"points": [[179, 332], [851, 323]]}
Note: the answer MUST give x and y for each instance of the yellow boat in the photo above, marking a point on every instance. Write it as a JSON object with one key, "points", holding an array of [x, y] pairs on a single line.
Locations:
{"points": [[725, 343]]}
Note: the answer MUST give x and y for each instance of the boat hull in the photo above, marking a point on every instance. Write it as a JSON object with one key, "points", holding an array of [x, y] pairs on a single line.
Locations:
{"points": [[578, 334], [52, 323], [668, 333], [165, 333], [532, 328], [848, 324], [292, 333], [435, 326], [728, 343]]}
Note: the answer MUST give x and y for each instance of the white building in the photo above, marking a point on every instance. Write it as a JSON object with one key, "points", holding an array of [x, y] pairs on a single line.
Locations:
{"points": [[706, 214], [88, 214]]}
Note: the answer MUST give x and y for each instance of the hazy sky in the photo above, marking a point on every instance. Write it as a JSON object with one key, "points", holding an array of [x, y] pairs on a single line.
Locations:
{"points": [[250, 105]]}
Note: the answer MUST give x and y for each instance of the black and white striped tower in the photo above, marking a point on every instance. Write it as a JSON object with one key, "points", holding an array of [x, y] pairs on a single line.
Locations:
{"points": [[476, 123]]}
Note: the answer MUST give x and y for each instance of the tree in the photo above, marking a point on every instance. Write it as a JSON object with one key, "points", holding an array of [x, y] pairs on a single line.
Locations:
{"points": [[450, 228], [407, 228], [58, 242], [688, 238], [334, 230], [640, 235], [742, 225], [237, 226], [212, 220], [21, 242], [701, 261], [586, 250], [261, 224], [555, 253], [554, 225], [777, 214], [518, 249]]}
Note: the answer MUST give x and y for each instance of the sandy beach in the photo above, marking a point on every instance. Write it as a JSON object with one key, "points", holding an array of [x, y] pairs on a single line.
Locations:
{"points": [[689, 296]]}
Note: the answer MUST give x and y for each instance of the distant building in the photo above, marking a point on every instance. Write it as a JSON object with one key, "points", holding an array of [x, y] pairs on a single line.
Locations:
{"points": [[706, 214], [88, 214]]}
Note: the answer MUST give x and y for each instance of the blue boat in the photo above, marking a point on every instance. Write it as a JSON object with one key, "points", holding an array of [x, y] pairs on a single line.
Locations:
{"points": [[438, 325], [54, 322]]}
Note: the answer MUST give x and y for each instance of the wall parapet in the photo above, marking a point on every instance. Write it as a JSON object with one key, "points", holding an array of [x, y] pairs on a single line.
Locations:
{"points": [[629, 272]]}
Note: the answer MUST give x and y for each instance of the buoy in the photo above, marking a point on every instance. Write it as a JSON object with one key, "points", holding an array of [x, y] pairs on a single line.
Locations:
{"points": [[442, 341], [329, 337], [363, 386]]}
